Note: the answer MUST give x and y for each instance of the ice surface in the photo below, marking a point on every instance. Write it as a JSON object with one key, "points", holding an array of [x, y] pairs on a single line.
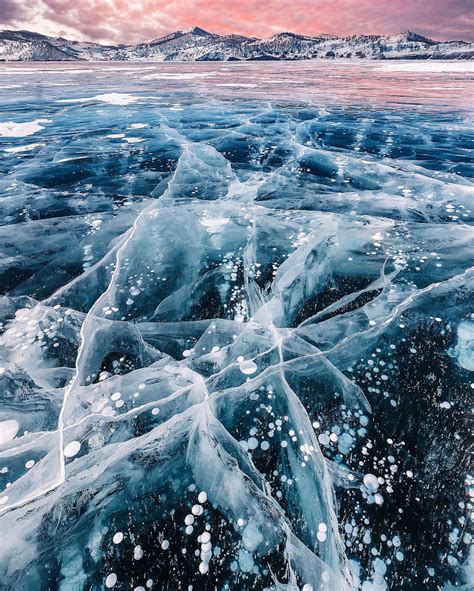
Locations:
{"points": [[428, 66], [236, 345]]}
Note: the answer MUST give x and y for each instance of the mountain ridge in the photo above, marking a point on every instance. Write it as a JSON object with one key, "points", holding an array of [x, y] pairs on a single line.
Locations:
{"points": [[196, 44]]}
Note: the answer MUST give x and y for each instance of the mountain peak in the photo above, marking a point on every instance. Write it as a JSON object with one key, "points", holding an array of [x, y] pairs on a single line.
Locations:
{"points": [[285, 36], [197, 31], [410, 36]]}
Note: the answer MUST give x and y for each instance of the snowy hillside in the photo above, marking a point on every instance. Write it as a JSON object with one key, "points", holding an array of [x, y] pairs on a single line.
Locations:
{"points": [[198, 45]]}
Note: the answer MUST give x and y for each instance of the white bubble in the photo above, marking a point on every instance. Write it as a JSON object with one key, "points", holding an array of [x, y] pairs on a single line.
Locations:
{"points": [[138, 553], [72, 449], [378, 498], [252, 443], [321, 535], [202, 497], [111, 580], [189, 519], [323, 439], [118, 537], [165, 544], [206, 549], [248, 367], [371, 482]]}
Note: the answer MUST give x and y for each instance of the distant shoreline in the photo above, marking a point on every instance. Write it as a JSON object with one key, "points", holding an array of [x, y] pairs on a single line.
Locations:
{"points": [[341, 60], [197, 45]]}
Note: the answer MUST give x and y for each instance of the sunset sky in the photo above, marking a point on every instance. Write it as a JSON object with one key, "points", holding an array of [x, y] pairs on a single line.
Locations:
{"points": [[131, 21]]}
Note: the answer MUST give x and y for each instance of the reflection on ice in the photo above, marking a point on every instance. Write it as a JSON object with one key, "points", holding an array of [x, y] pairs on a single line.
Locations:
{"points": [[237, 345]]}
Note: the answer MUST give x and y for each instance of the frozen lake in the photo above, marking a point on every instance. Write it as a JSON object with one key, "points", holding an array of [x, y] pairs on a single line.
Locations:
{"points": [[237, 325]]}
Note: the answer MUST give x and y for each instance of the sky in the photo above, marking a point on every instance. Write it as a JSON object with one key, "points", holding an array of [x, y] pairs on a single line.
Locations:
{"points": [[133, 21]]}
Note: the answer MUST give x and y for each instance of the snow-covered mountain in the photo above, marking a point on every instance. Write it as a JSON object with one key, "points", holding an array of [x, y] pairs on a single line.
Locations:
{"points": [[406, 45], [198, 45]]}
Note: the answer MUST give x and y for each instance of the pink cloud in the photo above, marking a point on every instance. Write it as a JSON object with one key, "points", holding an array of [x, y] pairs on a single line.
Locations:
{"points": [[131, 21]]}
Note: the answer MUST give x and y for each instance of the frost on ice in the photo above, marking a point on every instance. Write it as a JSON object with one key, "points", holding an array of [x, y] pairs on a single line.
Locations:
{"points": [[235, 353]]}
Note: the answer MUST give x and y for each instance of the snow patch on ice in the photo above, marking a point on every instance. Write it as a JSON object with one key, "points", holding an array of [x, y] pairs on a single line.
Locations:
{"points": [[112, 98], [12, 129]]}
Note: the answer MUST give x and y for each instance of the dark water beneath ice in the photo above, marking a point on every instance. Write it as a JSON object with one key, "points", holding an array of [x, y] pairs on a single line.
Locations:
{"points": [[237, 326]]}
